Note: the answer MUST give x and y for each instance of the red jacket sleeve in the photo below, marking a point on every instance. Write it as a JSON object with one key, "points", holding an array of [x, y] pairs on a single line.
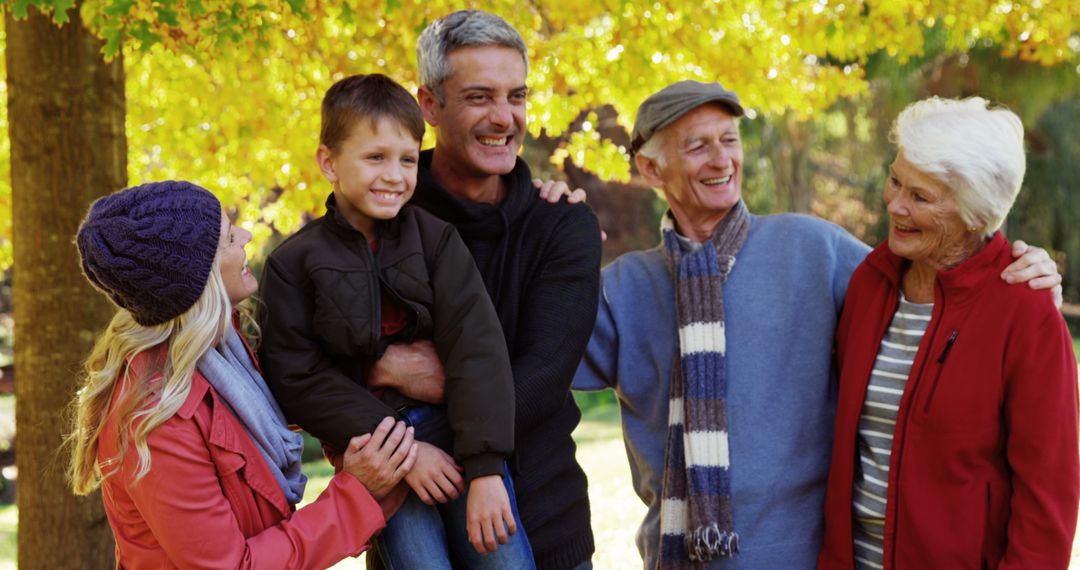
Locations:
{"points": [[182, 500], [1041, 445]]}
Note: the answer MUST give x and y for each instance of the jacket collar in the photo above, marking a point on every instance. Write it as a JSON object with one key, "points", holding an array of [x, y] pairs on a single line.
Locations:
{"points": [[959, 283], [473, 219]]}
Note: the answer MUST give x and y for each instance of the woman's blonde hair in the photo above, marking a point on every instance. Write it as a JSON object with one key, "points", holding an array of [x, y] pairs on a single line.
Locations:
{"points": [[150, 396]]}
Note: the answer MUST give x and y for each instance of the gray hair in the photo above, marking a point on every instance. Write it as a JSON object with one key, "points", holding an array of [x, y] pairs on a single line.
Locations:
{"points": [[464, 28], [653, 149], [976, 151]]}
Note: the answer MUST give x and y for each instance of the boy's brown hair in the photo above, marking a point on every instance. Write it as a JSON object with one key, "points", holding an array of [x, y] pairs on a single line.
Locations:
{"points": [[367, 98]]}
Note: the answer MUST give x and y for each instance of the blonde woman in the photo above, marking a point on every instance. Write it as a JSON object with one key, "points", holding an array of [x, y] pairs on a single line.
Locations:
{"points": [[175, 424]]}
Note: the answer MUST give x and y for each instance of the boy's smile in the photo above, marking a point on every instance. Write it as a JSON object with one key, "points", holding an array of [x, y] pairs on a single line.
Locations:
{"points": [[374, 172]]}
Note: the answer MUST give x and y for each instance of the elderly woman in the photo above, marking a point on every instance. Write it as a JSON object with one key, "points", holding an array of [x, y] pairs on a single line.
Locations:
{"points": [[174, 421], [956, 430]]}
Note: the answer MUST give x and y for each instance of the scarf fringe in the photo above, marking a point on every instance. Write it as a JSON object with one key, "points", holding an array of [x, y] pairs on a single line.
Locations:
{"points": [[708, 542]]}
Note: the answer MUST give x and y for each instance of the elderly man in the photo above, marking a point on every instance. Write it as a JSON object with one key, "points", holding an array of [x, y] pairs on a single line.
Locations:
{"points": [[718, 344], [540, 263]]}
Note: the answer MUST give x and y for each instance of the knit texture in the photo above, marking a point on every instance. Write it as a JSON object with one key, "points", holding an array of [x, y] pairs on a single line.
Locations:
{"points": [[696, 521], [150, 247], [540, 263]]}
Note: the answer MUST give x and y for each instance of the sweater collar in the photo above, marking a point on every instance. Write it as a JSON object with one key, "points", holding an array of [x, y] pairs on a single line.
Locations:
{"points": [[960, 282], [474, 219]]}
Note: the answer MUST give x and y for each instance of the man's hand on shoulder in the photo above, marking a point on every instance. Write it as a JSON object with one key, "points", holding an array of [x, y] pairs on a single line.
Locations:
{"points": [[414, 370], [1034, 267]]}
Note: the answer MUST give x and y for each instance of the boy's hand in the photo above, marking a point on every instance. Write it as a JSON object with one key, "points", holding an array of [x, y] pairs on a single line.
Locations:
{"points": [[380, 459], [488, 515], [435, 477]]}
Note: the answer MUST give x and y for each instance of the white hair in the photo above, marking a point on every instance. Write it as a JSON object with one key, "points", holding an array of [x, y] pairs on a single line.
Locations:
{"points": [[464, 28], [976, 151]]}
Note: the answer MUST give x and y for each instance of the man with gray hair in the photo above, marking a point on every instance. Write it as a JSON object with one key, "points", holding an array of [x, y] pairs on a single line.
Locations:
{"points": [[540, 263], [718, 344]]}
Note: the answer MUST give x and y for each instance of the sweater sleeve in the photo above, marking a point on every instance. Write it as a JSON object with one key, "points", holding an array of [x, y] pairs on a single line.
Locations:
{"points": [[1041, 447], [556, 318], [597, 370], [470, 343], [850, 252], [313, 392], [182, 501]]}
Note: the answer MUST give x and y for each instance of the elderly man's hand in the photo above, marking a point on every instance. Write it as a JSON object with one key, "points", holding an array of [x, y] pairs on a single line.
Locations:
{"points": [[552, 191], [1034, 267]]}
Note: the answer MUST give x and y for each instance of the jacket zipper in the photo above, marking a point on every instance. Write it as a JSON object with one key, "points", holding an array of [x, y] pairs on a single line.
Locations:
{"points": [[903, 429], [941, 366]]}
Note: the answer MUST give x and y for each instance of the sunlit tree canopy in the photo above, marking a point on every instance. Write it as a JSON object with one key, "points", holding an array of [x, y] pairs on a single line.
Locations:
{"points": [[226, 92]]}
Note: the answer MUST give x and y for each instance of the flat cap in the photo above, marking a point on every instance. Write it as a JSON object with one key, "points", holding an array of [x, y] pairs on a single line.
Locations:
{"points": [[668, 104]]}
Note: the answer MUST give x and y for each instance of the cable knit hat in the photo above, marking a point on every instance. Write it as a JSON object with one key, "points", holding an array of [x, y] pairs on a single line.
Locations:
{"points": [[150, 248]]}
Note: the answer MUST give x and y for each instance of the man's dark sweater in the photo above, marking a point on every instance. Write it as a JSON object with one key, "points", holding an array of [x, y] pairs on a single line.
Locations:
{"points": [[541, 265]]}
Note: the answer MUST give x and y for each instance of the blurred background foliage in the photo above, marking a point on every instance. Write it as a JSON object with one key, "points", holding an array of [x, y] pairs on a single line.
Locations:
{"points": [[226, 93]]}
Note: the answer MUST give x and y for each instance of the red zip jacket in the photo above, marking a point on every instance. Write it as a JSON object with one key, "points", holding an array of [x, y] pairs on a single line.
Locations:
{"points": [[210, 501], [985, 467]]}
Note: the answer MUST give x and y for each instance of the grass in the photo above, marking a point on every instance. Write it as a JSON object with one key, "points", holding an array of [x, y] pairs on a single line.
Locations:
{"points": [[616, 510]]}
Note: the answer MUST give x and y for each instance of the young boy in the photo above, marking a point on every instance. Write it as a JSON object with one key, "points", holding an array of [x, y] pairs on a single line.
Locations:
{"points": [[374, 271]]}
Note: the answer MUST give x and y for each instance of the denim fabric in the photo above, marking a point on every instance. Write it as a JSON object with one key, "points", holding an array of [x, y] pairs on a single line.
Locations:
{"points": [[436, 537]]}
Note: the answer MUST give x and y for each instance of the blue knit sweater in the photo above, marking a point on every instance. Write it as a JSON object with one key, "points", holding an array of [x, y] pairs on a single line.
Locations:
{"points": [[781, 303]]}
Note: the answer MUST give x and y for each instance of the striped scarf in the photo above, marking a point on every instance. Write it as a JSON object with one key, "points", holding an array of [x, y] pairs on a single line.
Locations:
{"points": [[695, 519]]}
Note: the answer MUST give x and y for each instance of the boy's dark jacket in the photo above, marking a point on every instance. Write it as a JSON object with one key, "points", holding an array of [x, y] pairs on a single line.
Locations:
{"points": [[321, 322]]}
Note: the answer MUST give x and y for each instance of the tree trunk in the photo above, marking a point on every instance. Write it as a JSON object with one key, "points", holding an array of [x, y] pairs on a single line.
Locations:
{"points": [[68, 146]]}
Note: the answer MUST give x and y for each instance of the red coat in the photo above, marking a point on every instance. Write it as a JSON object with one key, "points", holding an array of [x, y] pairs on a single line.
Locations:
{"points": [[985, 468], [210, 501]]}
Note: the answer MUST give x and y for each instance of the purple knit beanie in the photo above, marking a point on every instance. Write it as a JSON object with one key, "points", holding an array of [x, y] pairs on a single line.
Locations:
{"points": [[150, 248]]}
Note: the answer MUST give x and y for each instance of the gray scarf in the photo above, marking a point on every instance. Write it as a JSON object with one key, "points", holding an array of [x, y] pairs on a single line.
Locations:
{"points": [[231, 372]]}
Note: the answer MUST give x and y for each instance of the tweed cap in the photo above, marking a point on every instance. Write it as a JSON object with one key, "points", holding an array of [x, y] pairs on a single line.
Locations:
{"points": [[150, 248], [668, 104]]}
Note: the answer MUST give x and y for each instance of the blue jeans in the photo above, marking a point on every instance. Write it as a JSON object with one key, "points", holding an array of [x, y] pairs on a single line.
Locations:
{"points": [[436, 537]]}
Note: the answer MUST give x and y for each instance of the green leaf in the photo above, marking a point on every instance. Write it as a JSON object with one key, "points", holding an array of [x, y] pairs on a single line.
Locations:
{"points": [[147, 38], [60, 10], [392, 5], [167, 16], [119, 7], [196, 8], [19, 9], [112, 42], [347, 14]]}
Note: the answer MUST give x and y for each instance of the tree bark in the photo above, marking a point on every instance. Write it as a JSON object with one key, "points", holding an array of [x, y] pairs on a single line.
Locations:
{"points": [[66, 125]]}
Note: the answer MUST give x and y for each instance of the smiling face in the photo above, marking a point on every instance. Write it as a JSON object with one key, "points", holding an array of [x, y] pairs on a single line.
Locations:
{"points": [[239, 282], [480, 125], [702, 175], [373, 172], [924, 222]]}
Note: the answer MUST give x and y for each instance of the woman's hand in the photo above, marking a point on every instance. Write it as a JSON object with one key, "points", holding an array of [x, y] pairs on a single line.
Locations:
{"points": [[488, 516], [380, 459], [435, 477]]}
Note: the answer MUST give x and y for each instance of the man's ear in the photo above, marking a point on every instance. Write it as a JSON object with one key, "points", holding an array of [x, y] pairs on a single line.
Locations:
{"points": [[324, 157], [649, 170], [429, 104]]}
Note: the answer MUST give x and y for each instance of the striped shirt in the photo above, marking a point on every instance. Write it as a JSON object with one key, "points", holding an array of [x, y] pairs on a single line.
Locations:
{"points": [[877, 424]]}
